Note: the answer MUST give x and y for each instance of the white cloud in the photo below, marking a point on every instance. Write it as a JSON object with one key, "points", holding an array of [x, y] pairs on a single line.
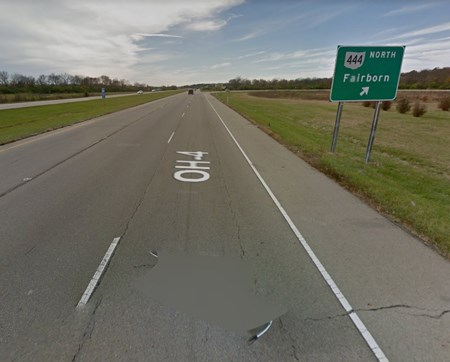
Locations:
{"points": [[93, 37], [139, 36], [271, 57], [315, 54], [210, 24], [220, 65], [426, 31], [300, 64], [154, 41], [206, 25], [409, 9], [249, 36], [388, 32], [316, 18], [249, 55], [426, 55], [145, 49]]}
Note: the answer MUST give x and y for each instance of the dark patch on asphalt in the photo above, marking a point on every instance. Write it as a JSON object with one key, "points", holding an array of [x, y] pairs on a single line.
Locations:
{"points": [[211, 288]]}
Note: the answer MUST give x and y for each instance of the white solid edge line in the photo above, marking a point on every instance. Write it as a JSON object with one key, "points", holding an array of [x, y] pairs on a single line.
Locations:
{"points": [[171, 136], [344, 302], [98, 274]]}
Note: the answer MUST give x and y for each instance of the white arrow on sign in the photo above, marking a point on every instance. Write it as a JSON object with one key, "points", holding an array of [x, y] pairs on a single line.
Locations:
{"points": [[365, 90]]}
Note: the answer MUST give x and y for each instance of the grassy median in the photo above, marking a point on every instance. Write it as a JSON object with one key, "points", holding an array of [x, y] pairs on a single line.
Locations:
{"points": [[19, 123], [409, 176]]}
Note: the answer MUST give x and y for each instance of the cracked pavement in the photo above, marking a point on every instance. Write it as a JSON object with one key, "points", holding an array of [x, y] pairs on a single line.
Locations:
{"points": [[55, 229], [434, 314]]}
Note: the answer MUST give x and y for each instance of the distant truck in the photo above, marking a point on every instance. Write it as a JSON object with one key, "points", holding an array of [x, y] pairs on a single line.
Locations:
{"points": [[190, 91]]}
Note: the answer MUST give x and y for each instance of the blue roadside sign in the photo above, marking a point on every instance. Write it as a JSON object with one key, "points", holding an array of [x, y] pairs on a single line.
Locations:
{"points": [[103, 93]]}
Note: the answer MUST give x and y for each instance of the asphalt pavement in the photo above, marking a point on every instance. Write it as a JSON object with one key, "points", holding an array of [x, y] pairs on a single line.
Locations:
{"points": [[185, 175], [58, 101]]}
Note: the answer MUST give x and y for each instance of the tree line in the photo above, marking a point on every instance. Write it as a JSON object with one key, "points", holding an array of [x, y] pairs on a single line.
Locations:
{"points": [[308, 83], [437, 78], [66, 83]]}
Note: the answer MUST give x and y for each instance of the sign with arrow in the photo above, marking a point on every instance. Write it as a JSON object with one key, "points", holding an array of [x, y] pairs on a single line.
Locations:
{"points": [[366, 73], [365, 90]]}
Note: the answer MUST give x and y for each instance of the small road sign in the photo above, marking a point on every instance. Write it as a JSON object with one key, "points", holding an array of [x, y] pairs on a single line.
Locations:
{"points": [[103, 93], [366, 73]]}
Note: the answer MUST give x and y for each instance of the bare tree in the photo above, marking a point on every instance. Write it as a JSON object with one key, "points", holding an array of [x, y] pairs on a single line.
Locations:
{"points": [[77, 80], [17, 79], [4, 77], [90, 81], [53, 79], [42, 80], [105, 80], [64, 79]]}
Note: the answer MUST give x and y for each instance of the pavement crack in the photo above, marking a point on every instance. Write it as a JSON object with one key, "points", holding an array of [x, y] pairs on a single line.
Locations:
{"points": [[435, 316], [238, 233], [143, 266], [87, 334], [294, 352], [430, 313], [292, 339], [141, 200], [31, 249], [231, 207], [394, 306], [235, 220], [34, 177], [206, 336]]}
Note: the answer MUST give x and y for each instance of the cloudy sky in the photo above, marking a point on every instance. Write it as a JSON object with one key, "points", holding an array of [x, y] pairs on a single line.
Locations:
{"points": [[163, 42]]}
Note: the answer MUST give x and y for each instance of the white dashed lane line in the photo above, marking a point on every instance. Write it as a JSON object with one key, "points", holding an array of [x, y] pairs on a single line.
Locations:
{"points": [[171, 136], [98, 274]]}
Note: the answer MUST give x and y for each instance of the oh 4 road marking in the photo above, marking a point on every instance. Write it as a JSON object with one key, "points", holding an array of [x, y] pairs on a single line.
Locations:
{"points": [[192, 171]]}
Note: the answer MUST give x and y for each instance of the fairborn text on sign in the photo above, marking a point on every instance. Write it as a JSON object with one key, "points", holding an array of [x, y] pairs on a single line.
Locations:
{"points": [[357, 78]]}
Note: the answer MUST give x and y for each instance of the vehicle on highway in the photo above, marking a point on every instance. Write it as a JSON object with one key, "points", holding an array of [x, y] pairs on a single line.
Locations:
{"points": [[190, 91], [140, 92]]}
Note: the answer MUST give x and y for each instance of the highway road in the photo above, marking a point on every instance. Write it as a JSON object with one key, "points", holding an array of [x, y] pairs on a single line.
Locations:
{"points": [[188, 177], [58, 101]]}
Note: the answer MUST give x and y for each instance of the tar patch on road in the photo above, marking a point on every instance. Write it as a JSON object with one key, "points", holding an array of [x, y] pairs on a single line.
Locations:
{"points": [[210, 288]]}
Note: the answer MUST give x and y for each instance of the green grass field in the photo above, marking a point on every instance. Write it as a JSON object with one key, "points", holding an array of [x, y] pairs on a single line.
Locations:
{"points": [[409, 176], [20, 123], [30, 97]]}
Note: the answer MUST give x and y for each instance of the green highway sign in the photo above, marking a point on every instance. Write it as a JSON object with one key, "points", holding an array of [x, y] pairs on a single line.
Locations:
{"points": [[366, 73]]}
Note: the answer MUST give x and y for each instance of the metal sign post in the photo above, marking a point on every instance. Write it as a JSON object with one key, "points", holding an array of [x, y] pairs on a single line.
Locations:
{"points": [[372, 131], [336, 126], [103, 98]]}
